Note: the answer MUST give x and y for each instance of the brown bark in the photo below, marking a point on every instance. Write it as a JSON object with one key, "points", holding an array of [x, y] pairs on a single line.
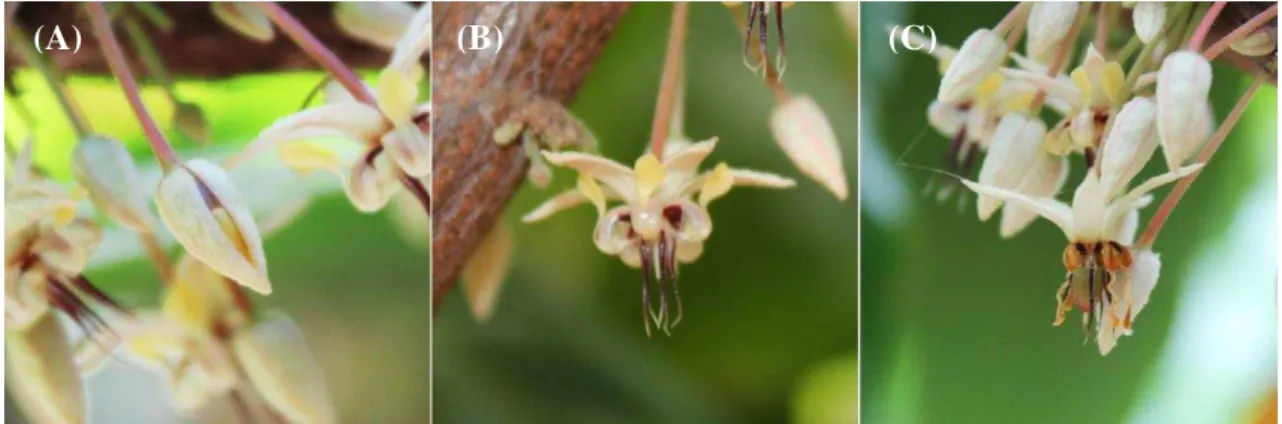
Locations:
{"points": [[548, 50], [199, 46]]}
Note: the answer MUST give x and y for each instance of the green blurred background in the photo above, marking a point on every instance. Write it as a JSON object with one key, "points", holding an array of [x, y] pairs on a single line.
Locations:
{"points": [[769, 333], [956, 322], [356, 284]]}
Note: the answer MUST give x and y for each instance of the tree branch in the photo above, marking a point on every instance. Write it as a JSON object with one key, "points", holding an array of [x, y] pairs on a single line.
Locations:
{"points": [[548, 50]]}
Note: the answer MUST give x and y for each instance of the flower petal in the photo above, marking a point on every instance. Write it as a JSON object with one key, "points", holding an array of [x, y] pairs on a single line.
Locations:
{"points": [[685, 161], [396, 95], [802, 130], [409, 147], [611, 235], [717, 184], [1056, 88], [371, 182], [483, 274], [565, 200], [280, 364], [750, 178], [413, 43], [611, 173], [1128, 201], [1053, 210], [349, 120]]}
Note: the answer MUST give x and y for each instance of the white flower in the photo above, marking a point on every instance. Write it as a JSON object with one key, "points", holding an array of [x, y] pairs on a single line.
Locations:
{"points": [[1130, 292], [1183, 83], [1091, 93], [659, 224], [1149, 18], [1048, 24], [981, 54], [1102, 220], [206, 214]]}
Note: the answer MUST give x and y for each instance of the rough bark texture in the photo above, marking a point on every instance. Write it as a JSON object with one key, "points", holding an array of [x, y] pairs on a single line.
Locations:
{"points": [[199, 45], [548, 50]]}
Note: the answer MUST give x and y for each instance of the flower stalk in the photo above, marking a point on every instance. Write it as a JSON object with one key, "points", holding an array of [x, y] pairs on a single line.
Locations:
{"points": [[116, 61], [1151, 231], [1241, 32], [317, 50], [1204, 28], [664, 107]]}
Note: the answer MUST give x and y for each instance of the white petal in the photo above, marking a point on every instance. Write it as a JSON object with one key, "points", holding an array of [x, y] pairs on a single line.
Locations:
{"points": [[483, 274], [1149, 18], [1128, 201], [565, 200], [371, 184], [230, 244], [42, 375], [1124, 229], [413, 43], [1048, 23], [981, 54], [611, 235], [1145, 269], [409, 147], [1090, 209], [750, 178], [617, 177], [1043, 182], [686, 160], [280, 364], [1015, 151], [349, 120], [1183, 82], [1053, 210], [378, 23], [1129, 145], [802, 130], [1056, 88]]}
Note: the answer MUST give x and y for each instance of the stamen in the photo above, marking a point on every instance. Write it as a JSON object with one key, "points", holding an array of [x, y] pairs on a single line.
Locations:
{"points": [[669, 257], [763, 27], [647, 275], [748, 60], [662, 257], [781, 57]]}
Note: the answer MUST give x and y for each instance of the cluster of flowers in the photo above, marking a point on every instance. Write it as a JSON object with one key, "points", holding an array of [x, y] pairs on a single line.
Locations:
{"points": [[224, 360], [1113, 117]]}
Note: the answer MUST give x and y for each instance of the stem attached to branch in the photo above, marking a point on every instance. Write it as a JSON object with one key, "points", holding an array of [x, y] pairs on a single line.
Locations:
{"points": [[1241, 32], [1204, 28], [663, 107], [1168, 205], [116, 60], [317, 50]]}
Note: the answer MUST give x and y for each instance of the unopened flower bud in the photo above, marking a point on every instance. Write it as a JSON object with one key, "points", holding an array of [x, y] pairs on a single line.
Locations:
{"points": [[280, 364], [802, 130], [1016, 150], [980, 55], [1130, 143], [206, 214], [1183, 82], [245, 19], [1048, 24], [377, 23], [108, 171], [1149, 17], [1261, 42]]}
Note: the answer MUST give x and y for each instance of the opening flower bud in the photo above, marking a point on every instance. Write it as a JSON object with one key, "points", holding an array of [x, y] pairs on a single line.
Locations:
{"points": [[1149, 18], [207, 215], [802, 130], [107, 170]]}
